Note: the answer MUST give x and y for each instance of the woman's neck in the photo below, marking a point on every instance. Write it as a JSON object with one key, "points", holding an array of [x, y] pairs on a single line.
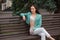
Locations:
{"points": [[34, 13]]}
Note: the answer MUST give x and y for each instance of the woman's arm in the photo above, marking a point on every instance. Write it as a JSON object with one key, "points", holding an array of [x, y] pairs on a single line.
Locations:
{"points": [[24, 14], [24, 18]]}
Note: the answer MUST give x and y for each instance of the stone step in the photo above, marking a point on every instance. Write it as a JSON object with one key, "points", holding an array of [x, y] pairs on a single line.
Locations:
{"points": [[14, 33], [22, 26], [22, 30], [19, 19], [18, 22], [13, 26], [52, 32], [19, 16], [22, 38], [13, 29]]}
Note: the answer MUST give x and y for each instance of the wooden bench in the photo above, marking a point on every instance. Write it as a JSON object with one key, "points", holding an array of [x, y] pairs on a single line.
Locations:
{"points": [[14, 28]]}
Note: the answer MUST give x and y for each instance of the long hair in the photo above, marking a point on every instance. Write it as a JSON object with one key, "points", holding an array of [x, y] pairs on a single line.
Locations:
{"points": [[36, 7]]}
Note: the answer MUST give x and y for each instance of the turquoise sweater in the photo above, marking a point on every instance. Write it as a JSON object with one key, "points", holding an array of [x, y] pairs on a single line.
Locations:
{"points": [[38, 19]]}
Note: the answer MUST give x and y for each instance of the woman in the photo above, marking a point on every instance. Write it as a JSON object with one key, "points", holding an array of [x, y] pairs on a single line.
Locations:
{"points": [[34, 19]]}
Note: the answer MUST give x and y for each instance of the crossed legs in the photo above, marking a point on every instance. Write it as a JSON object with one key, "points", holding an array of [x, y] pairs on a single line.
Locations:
{"points": [[43, 33]]}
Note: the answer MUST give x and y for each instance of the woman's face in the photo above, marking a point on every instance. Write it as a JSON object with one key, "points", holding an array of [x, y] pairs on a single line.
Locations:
{"points": [[33, 9]]}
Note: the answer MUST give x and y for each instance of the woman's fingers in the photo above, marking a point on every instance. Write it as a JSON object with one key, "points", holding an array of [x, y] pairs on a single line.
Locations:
{"points": [[31, 31]]}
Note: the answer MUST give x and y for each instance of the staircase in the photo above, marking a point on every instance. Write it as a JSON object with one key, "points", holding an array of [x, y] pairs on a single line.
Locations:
{"points": [[14, 28]]}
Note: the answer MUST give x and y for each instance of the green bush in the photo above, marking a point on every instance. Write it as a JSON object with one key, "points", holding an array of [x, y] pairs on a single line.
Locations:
{"points": [[23, 5]]}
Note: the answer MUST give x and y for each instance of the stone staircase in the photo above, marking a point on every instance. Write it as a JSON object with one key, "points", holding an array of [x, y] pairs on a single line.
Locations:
{"points": [[14, 28]]}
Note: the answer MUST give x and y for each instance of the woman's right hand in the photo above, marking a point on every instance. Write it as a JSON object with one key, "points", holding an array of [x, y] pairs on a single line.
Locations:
{"points": [[31, 31], [24, 18]]}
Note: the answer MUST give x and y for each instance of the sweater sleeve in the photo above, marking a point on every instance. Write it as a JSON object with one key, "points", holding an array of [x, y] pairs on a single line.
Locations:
{"points": [[40, 21], [24, 14]]}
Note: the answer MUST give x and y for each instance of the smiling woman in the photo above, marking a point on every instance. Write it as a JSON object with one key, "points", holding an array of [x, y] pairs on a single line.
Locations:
{"points": [[34, 19]]}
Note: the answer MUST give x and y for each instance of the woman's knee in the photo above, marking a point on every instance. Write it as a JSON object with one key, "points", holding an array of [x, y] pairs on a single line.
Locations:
{"points": [[41, 34]]}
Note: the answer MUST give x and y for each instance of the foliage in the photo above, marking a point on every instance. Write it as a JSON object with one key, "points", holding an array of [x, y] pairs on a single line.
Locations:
{"points": [[23, 5]]}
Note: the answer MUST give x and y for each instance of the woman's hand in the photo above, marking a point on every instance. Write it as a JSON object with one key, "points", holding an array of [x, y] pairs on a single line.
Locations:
{"points": [[31, 30], [24, 18]]}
